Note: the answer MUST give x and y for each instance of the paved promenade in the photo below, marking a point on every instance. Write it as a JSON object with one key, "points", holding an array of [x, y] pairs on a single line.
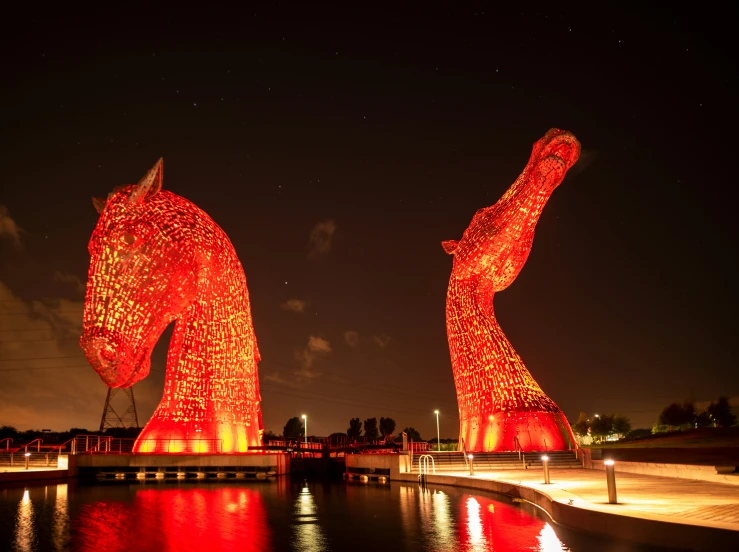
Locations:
{"points": [[682, 500]]}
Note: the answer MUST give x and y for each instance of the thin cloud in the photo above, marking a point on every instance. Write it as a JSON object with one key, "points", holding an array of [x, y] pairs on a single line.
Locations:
{"points": [[70, 279], [45, 380], [352, 338], [319, 242], [317, 347], [306, 357], [294, 305], [382, 341], [9, 228]]}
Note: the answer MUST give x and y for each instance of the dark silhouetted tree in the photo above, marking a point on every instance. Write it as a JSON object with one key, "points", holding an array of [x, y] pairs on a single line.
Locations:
{"points": [[675, 415], [703, 420], [355, 429], [293, 429], [370, 429], [621, 425], [581, 426], [413, 435], [602, 426], [721, 413], [387, 426], [8, 431]]}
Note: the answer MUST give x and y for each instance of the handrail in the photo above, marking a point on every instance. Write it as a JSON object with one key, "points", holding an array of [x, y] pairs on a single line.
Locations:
{"points": [[60, 446], [7, 441], [39, 439], [423, 464], [464, 453]]}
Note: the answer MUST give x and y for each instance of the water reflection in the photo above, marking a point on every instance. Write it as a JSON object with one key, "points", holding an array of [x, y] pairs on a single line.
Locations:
{"points": [[60, 527], [224, 518], [308, 534], [277, 516], [24, 533]]}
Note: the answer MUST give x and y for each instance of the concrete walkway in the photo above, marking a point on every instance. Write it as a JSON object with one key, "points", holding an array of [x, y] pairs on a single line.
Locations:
{"points": [[696, 501], [659, 511]]}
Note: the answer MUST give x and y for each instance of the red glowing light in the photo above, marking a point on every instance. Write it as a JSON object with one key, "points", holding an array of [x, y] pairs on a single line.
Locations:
{"points": [[501, 407], [157, 258]]}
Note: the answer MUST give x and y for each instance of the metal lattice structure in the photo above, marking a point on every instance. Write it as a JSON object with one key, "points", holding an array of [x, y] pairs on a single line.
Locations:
{"points": [[156, 258], [501, 407], [111, 418]]}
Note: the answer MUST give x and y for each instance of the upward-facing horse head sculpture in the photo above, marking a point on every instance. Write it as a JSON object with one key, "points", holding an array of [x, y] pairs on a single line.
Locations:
{"points": [[501, 407], [157, 258]]}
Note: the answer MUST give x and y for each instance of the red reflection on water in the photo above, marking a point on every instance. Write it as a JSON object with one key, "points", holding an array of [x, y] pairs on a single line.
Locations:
{"points": [[175, 520], [491, 525]]}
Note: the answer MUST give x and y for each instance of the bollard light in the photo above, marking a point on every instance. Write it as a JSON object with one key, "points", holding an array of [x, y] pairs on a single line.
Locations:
{"points": [[611, 481], [545, 461], [472, 465], [27, 455], [305, 437]]}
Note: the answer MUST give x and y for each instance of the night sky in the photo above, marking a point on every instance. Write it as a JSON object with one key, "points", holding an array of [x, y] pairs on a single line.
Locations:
{"points": [[337, 150]]}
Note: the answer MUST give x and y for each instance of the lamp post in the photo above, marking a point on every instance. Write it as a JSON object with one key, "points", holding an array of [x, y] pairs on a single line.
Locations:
{"points": [[305, 437], [472, 465], [438, 439], [27, 455]]}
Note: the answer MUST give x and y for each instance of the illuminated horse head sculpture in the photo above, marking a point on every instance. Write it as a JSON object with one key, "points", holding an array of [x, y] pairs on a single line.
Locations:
{"points": [[501, 407], [157, 258]]}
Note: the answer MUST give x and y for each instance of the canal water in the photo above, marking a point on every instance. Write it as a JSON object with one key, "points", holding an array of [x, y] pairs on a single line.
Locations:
{"points": [[280, 515]]}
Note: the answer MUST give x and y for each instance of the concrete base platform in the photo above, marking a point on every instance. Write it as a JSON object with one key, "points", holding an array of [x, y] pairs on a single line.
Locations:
{"points": [[178, 465], [9, 474]]}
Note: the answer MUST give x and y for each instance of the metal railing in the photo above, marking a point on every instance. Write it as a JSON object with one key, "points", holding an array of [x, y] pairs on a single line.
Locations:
{"points": [[100, 444], [464, 453], [519, 450], [423, 464], [38, 442], [7, 442]]}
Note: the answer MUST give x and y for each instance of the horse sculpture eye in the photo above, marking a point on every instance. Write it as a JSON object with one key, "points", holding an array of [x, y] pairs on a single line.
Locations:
{"points": [[129, 238]]}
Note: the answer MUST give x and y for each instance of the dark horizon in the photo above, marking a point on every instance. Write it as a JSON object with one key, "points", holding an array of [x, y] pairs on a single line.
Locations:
{"points": [[384, 134]]}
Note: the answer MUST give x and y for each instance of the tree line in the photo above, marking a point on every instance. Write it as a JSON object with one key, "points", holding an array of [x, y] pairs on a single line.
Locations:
{"points": [[370, 430], [601, 426], [685, 415]]}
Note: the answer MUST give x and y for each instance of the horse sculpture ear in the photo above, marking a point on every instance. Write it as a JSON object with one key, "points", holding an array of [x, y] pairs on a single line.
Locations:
{"points": [[450, 246], [150, 184], [99, 204]]}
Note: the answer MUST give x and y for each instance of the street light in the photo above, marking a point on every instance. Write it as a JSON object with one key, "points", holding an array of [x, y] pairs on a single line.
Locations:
{"points": [[438, 440], [305, 437]]}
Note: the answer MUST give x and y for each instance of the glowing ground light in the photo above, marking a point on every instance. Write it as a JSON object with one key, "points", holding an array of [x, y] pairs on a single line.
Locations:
{"points": [[501, 407], [157, 258]]}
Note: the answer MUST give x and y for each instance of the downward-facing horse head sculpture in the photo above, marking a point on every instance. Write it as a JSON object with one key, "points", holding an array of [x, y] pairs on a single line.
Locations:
{"points": [[501, 407], [155, 258]]}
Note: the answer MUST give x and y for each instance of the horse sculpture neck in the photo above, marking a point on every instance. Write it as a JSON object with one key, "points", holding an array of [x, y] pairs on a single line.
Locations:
{"points": [[211, 382], [211, 363], [501, 406]]}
